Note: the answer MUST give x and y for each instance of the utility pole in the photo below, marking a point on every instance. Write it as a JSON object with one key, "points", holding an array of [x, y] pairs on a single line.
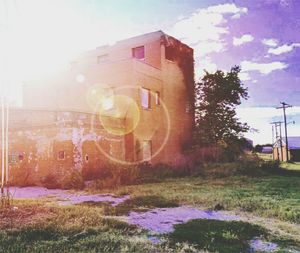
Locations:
{"points": [[284, 106], [278, 138], [273, 142], [4, 83]]}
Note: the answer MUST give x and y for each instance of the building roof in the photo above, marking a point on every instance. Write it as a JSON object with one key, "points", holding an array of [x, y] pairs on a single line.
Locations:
{"points": [[267, 149], [294, 142]]}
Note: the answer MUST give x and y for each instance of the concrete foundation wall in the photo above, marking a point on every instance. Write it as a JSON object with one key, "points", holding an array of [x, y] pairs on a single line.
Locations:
{"points": [[55, 142]]}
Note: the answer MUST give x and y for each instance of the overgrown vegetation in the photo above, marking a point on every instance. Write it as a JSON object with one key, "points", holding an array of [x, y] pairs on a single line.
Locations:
{"points": [[271, 194], [265, 191], [74, 229], [137, 203], [70, 180], [218, 236], [113, 175]]}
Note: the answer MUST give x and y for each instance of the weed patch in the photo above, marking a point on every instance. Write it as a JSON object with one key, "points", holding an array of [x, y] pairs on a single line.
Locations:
{"points": [[217, 236], [138, 204]]}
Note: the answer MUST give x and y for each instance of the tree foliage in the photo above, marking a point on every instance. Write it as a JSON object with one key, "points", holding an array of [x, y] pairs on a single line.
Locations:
{"points": [[217, 97]]}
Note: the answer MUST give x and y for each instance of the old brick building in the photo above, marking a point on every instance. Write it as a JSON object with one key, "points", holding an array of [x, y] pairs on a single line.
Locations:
{"points": [[129, 102]]}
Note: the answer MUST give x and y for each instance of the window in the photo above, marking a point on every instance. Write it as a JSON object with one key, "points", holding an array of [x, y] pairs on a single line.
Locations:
{"points": [[61, 155], [86, 158], [13, 158], [21, 157], [102, 58], [145, 98], [138, 53], [157, 98], [170, 53]]}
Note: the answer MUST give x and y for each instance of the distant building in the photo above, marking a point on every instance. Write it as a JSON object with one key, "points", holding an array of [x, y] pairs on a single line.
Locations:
{"points": [[135, 97], [279, 151], [267, 150]]}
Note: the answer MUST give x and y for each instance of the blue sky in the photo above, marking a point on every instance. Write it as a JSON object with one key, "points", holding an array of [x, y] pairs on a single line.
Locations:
{"points": [[262, 36]]}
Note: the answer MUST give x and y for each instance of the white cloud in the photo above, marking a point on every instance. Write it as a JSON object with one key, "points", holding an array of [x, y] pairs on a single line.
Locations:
{"points": [[204, 64], [202, 49], [270, 42], [263, 68], [242, 40], [244, 76], [226, 9], [203, 30], [201, 26], [283, 49]]}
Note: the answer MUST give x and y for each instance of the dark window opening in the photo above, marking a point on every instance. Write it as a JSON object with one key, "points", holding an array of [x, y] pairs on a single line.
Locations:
{"points": [[157, 98], [170, 53], [21, 157], [138, 52], [61, 155], [86, 158]]}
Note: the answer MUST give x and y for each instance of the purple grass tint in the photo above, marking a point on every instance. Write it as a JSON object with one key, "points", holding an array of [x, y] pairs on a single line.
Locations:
{"points": [[261, 246], [64, 196], [162, 220]]}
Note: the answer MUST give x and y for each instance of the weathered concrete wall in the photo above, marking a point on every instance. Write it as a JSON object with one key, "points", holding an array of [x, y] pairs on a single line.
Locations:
{"points": [[37, 138]]}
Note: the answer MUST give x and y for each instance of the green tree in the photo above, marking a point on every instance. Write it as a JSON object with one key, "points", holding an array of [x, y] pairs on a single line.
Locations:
{"points": [[217, 97]]}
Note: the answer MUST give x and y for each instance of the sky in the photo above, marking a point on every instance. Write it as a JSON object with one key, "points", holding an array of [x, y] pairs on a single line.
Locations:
{"points": [[261, 36]]}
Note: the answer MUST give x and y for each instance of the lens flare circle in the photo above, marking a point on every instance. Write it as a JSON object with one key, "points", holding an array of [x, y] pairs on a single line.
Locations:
{"points": [[97, 94], [163, 143], [119, 107]]}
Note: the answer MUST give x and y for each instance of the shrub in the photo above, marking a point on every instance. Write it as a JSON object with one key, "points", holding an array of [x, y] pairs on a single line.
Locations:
{"points": [[254, 166], [114, 175], [73, 180], [217, 170], [98, 172], [149, 173], [246, 165], [22, 175], [51, 181]]}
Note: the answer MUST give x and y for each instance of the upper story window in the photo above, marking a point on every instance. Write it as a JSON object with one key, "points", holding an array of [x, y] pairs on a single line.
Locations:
{"points": [[145, 98], [170, 53], [157, 98], [138, 52], [102, 58], [61, 155]]}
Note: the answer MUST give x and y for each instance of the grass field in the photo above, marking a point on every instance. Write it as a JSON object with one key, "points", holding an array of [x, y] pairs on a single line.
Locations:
{"points": [[291, 166], [269, 207]]}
